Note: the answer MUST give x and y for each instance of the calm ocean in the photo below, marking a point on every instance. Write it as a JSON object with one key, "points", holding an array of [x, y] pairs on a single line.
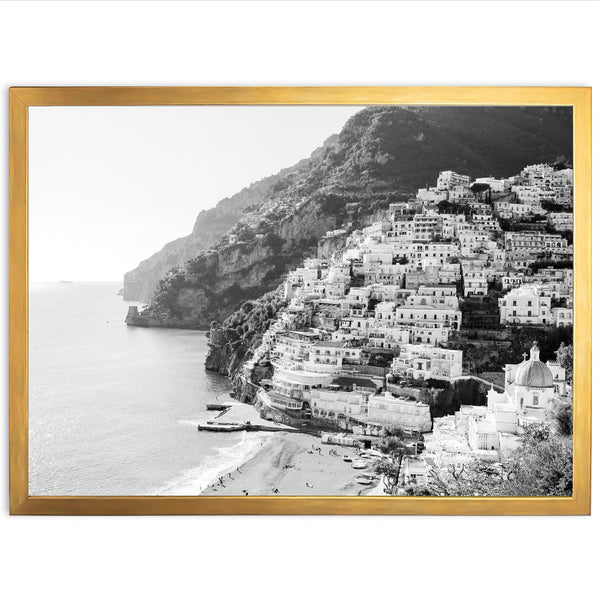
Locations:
{"points": [[113, 409]]}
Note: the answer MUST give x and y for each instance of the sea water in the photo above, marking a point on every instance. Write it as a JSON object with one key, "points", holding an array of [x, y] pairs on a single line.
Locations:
{"points": [[113, 410]]}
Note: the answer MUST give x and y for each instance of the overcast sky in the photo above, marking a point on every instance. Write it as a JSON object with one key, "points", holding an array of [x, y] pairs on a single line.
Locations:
{"points": [[109, 186]]}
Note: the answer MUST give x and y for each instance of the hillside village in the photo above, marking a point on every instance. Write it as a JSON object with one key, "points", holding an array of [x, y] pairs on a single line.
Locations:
{"points": [[367, 333]]}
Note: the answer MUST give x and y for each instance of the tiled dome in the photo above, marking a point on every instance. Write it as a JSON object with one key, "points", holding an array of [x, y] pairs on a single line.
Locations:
{"points": [[533, 372]]}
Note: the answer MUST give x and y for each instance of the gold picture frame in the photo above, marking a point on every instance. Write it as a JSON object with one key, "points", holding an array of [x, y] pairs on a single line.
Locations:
{"points": [[21, 98]]}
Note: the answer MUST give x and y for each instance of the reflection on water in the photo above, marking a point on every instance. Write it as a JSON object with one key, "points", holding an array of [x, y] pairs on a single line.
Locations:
{"points": [[113, 409]]}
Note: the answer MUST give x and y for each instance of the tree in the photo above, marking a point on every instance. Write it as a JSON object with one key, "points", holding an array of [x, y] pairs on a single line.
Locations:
{"points": [[273, 241], [543, 466], [395, 447], [481, 190], [477, 478], [564, 356], [564, 419]]}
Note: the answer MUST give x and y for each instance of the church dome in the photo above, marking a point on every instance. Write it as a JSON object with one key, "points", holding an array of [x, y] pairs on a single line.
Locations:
{"points": [[533, 372]]}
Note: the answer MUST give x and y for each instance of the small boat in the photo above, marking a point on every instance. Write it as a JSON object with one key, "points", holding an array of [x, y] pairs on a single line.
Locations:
{"points": [[347, 459], [359, 464], [364, 480], [222, 427], [373, 453], [217, 406]]}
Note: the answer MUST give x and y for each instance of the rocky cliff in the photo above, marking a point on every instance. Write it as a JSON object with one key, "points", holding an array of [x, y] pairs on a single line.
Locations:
{"points": [[382, 154]]}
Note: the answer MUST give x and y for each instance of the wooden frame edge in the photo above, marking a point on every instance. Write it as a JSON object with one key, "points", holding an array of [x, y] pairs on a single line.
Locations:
{"points": [[299, 505], [582, 286], [309, 95], [18, 292], [21, 98]]}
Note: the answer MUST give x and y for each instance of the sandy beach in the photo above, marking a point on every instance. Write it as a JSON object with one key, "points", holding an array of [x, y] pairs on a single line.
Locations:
{"points": [[289, 464]]}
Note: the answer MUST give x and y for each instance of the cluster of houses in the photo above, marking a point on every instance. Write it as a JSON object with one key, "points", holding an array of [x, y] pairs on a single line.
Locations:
{"points": [[363, 328]]}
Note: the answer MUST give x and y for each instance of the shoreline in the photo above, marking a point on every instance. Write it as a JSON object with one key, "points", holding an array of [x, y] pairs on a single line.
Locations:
{"points": [[221, 471], [195, 480], [290, 465]]}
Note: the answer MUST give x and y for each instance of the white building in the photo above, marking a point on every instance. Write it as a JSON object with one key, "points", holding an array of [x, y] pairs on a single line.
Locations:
{"points": [[509, 210], [385, 312], [338, 405], [434, 295], [329, 356], [429, 315], [561, 221], [448, 180], [536, 173], [426, 226], [429, 333], [512, 280], [496, 185], [562, 317], [525, 305], [423, 361], [431, 195], [387, 410], [533, 241], [475, 283], [386, 274], [387, 337], [472, 240], [460, 193], [293, 346]]}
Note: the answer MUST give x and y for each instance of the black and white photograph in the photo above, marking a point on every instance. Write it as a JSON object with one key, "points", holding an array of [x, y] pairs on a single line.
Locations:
{"points": [[301, 300]]}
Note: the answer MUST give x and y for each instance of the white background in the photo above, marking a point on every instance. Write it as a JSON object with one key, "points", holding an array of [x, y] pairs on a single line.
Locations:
{"points": [[287, 43]]}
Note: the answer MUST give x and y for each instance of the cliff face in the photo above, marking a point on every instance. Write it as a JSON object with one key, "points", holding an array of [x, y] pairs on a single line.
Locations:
{"points": [[381, 155], [216, 282], [232, 342]]}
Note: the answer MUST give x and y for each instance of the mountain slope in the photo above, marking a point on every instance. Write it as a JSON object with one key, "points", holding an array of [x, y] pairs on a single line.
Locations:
{"points": [[382, 154]]}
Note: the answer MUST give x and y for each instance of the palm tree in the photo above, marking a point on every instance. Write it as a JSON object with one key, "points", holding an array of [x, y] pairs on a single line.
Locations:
{"points": [[395, 447]]}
